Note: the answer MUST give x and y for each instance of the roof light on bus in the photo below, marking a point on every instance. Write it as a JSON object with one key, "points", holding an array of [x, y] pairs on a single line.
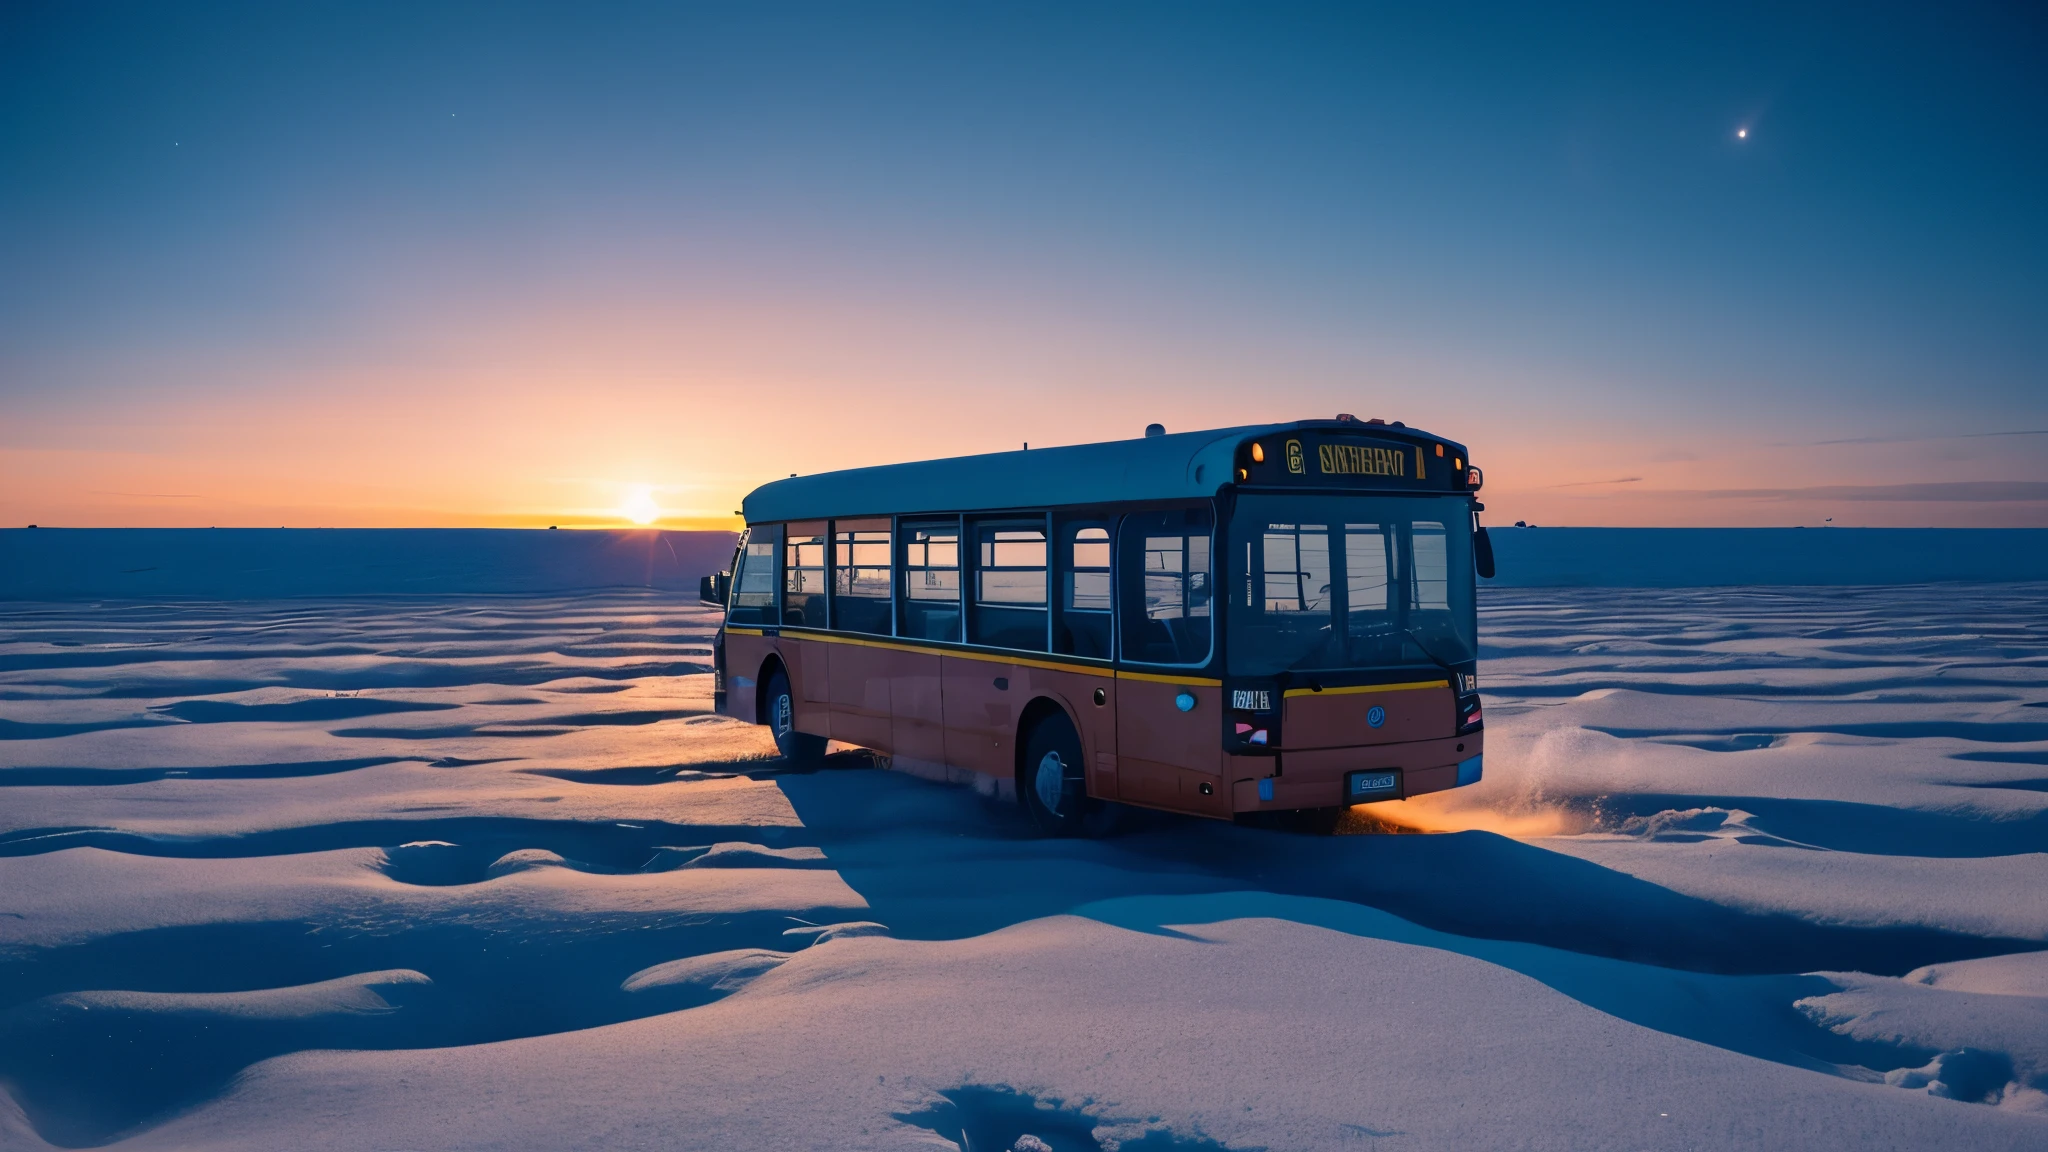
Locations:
{"points": [[1244, 474], [1439, 449], [1346, 418], [1258, 453]]}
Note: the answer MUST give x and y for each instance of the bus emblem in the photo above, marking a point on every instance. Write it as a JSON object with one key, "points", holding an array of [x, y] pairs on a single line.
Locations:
{"points": [[1376, 716], [1294, 463]]}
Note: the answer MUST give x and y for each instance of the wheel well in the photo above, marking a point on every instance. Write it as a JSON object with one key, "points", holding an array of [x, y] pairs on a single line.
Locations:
{"points": [[1035, 713], [769, 667]]}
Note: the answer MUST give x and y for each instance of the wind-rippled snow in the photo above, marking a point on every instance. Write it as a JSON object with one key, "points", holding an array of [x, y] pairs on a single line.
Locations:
{"points": [[1749, 868]]}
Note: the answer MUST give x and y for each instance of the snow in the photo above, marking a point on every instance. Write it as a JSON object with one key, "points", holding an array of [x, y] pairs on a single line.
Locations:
{"points": [[2020, 974], [1971, 896], [1751, 867], [1186, 1032], [1981, 1047]]}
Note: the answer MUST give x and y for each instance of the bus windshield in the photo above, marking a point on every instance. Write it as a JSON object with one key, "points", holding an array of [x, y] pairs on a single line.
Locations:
{"points": [[1323, 583]]}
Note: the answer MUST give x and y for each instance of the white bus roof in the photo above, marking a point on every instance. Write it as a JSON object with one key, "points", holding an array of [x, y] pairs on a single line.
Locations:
{"points": [[1177, 466]]}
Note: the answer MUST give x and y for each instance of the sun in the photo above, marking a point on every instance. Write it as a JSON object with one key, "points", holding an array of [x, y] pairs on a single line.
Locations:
{"points": [[639, 506]]}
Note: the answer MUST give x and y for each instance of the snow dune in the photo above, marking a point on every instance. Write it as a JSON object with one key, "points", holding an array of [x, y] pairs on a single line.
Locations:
{"points": [[1751, 868]]}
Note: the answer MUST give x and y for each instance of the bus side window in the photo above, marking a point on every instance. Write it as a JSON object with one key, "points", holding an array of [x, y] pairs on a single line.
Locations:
{"points": [[1083, 628], [753, 586], [931, 581], [1009, 586], [1165, 578], [860, 578], [803, 584]]}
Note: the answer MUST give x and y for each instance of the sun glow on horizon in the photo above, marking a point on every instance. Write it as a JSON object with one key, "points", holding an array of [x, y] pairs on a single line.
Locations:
{"points": [[639, 505]]}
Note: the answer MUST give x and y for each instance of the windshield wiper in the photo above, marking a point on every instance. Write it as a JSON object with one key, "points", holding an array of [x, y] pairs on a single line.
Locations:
{"points": [[1433, 657]]}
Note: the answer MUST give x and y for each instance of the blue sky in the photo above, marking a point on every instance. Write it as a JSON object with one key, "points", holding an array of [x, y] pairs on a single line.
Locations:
{"points": [[492, 264]]}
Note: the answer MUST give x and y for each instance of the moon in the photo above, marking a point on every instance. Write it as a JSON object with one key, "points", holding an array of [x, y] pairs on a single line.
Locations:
{"points": [[1742, 133]]}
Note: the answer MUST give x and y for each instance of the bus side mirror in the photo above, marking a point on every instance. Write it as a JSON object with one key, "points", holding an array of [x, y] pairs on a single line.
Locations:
{"points": [[712, 589], [1482, 553]]}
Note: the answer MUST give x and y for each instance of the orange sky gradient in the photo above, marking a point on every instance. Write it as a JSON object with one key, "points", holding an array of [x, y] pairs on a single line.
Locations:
{"points": [[536, 423], [531, 412]]}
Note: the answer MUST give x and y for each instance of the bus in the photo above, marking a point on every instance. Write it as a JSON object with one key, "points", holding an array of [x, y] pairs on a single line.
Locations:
{"points": [[1273, 618]]}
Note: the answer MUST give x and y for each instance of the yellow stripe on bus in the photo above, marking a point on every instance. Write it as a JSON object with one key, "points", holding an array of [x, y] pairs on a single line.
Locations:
{"points": [[919, 649], [732, 631], [1357, 688]]}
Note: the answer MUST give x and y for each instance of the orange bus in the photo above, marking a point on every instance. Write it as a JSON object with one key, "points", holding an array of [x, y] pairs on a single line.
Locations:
{"points": [[1242, 620]]}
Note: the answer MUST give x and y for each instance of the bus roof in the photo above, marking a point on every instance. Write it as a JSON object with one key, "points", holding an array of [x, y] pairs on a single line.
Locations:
{"points": [[1177, 466]]}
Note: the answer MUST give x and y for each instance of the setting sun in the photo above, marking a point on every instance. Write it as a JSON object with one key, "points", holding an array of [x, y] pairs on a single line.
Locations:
{"points": [[639, 506]]}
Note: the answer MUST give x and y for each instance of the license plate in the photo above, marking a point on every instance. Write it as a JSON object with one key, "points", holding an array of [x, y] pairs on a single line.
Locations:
{"points": [[1374, 783]]}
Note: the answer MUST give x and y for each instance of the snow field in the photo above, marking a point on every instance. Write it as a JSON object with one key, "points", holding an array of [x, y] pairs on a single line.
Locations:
{"points": [[483, 872]]}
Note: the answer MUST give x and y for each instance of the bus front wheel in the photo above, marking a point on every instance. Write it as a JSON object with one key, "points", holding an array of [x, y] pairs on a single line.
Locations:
{"points": [[794, 745], [1051, 786]]}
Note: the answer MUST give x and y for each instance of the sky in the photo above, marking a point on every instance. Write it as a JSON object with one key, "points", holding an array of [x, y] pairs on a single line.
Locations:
{"points": [[504, 265]]}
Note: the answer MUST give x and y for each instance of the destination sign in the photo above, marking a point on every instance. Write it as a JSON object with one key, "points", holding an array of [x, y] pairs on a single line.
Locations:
{"points": [[1361, 460], [1351, 461]]}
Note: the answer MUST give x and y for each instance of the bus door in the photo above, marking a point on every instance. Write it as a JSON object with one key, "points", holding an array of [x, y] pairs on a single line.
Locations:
{"points": [[1168, 713], [751, 608]]}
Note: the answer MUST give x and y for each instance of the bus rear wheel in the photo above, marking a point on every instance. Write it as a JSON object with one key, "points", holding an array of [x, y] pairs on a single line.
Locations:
{"points": [[1051, 785], [801, 747]]}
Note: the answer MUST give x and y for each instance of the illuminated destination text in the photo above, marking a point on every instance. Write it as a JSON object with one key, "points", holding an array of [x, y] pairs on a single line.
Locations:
{"points": [[1361, 460]]}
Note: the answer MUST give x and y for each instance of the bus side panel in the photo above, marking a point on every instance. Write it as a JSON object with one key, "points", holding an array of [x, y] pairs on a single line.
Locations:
{"points": [[1096, 723], [1164, 755], [744, 656], [917, 718], [860, 695], [980, 717], [810, 684]]}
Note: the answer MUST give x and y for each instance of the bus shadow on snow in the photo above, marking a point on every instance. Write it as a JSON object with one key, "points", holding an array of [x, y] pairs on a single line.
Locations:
{"points": [[940, 863], [943, 863]]}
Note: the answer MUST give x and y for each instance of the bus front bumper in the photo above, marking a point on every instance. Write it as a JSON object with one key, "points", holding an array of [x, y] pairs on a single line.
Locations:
{"points": [[1324, 777]]}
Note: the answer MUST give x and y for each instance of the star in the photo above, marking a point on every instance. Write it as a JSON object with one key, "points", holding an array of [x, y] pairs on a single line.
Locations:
{"points": [[1742, 133]]}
